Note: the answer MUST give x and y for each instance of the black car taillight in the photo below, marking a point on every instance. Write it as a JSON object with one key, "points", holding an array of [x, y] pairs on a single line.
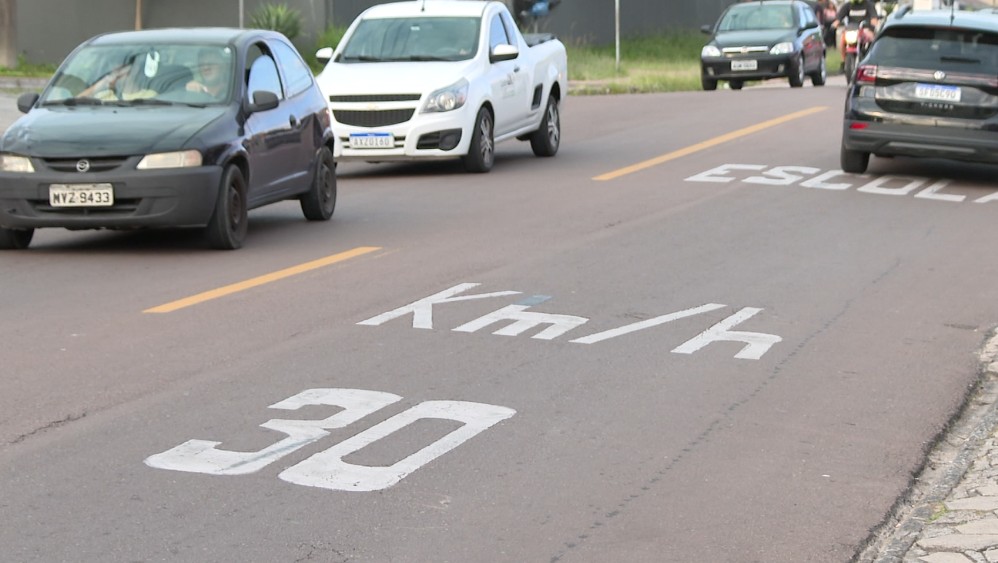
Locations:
{"points": [[866, 74]]}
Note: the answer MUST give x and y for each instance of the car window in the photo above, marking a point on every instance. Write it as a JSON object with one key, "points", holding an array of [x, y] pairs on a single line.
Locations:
{"points": [[412, 38], [946, 49], [297, 74], [741, 17], [497, 33], [263, 73]]}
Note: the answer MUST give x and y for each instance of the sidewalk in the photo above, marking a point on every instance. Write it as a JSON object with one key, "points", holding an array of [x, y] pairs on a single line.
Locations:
{"points": [[22, 84], [951, 512]]}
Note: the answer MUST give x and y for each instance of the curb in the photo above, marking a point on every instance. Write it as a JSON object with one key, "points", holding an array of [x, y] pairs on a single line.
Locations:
{"points": [[23, 83], [946, 465]]}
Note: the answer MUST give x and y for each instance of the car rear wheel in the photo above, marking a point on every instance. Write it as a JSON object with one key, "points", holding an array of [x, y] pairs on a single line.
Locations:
{"points": [[481, 154], [708, 84], [854, 162], [797, 72], [228, 224], [736, 84], [819, 76], [15, 239], [320, 201], [546, 140]]}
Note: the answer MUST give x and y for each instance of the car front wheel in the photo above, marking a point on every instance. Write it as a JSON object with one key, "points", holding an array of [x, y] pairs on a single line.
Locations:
{"points": [[854, 162], [320, 201], [708, 84], [481, 154], [15, 239], [228, 224]]}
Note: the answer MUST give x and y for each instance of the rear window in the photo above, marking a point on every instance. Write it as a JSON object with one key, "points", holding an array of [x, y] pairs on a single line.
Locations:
{"points": [[954, 50]]}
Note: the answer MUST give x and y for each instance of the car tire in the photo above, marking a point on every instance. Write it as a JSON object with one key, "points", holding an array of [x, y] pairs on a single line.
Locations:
{"points": [[820, 76], [546, 140], [849, 67], [854, 162], [320, 201], [796, 77], [708, 84], [227, 227], [482, 152], [15, 239], [735, 84]]}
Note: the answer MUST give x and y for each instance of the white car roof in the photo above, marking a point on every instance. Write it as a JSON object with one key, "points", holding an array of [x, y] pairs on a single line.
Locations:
{"points": [[430, 8]]}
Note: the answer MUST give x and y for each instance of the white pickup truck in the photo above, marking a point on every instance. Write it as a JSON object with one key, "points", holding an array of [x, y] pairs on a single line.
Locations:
{"points": [[434, 79]]}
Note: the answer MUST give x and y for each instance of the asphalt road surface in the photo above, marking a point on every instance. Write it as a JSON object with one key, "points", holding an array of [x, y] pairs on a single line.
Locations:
{"points": [[688, 337]]}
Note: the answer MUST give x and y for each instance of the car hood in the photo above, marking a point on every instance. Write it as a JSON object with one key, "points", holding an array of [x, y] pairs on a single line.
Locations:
{"points": [[753, 38], [63, 132], [391, 78]]}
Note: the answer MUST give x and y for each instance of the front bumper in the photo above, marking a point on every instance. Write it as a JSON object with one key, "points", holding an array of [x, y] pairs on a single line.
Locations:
{"points": [[181, 197], [768, 66], [443, 135]]}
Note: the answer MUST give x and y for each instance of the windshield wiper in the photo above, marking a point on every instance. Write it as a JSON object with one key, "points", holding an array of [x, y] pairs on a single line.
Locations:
{"points": [[84, 101], [363, 58], [142, 102], [423, 58], [967, 60]]}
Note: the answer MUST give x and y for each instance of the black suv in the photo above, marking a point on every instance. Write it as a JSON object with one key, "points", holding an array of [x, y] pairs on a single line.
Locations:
{"points": [[929, 88]]}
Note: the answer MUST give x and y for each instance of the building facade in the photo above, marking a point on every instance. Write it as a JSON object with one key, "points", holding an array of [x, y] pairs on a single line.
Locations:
{"points": [[47, 30]]}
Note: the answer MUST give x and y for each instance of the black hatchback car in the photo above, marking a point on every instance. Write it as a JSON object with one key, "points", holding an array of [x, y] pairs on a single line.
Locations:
{"points": [[764, 39], [927, 88], [168, 128]]}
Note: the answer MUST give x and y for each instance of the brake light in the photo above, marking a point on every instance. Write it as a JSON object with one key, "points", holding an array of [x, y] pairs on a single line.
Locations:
{"points": [[857, 126], [866, 74]]}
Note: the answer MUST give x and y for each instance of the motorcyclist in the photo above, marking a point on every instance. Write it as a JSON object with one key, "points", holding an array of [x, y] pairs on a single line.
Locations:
{"points": [[854, 12]]}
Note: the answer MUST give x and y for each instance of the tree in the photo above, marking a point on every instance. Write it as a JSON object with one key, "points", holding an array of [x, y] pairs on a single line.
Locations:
{"points": [[8, 33]]}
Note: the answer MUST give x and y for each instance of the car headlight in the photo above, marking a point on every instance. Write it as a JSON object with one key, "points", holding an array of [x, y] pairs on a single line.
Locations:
{"points": [[178, 159], [782, 48], [710, 51], [447, 99], [14, 163]]}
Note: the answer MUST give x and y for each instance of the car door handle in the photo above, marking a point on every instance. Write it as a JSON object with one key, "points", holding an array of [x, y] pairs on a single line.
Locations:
{"points": [[516, 69], [294, 122]]}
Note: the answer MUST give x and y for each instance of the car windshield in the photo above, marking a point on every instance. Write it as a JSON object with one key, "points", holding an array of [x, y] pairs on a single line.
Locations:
{"points": [[143, 74], [743, 17], [412, 39], [948, 49]]}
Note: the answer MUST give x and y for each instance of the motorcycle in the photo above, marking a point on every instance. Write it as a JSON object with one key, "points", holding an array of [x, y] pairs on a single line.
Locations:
{"points": [[857, 44]]}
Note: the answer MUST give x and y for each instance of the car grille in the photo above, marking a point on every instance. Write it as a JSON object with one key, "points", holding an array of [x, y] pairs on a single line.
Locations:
{"points": [[368, 98], [735, 51], [376, 118], [938, 109], [96, 164]]}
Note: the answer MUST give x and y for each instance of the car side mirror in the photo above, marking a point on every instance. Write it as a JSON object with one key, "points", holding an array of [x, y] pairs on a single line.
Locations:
{"points": [[503, 53], [706, 29], [810, 25], [263, 100], [26, 101], [324, 54]]}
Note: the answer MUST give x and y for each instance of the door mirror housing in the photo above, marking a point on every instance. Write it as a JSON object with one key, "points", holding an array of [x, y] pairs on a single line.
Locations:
{"points": [[504, 53], [324, 54], [263, 101], [26, 101]]}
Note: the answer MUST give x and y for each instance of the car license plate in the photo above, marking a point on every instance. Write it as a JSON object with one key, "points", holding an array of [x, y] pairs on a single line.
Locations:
{"points": [[937, 92], [744, 65], [81, 195], [372, 141]]}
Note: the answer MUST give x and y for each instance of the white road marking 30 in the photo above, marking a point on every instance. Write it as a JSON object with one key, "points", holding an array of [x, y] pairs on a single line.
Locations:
{"points": [[837, 180], [327, 469], [756, 343]]}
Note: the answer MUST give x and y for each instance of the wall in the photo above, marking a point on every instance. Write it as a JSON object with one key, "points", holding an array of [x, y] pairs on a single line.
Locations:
{"points": [[49, 29]]}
